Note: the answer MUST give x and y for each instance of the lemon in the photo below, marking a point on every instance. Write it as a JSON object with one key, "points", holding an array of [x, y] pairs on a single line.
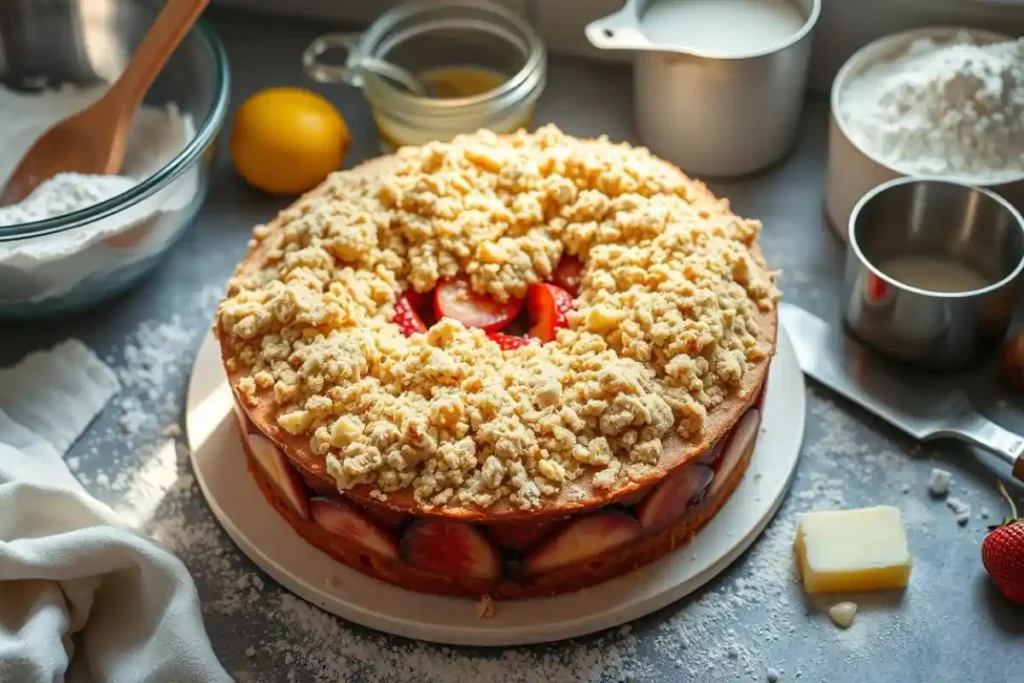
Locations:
{"points": [[287, 140]]}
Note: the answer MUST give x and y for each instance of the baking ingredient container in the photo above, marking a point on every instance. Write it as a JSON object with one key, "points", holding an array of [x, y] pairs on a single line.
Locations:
{"points": [[933, 271], [853, 170], [71, 261], [484, 65], [722, 111]]}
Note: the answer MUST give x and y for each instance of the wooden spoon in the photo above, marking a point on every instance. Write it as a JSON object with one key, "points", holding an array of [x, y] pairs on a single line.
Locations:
{"points": [[94, 139]]}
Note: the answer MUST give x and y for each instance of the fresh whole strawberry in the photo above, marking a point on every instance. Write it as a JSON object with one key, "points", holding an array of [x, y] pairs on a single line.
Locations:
{"points": [[1002, 553], [406, 318]]}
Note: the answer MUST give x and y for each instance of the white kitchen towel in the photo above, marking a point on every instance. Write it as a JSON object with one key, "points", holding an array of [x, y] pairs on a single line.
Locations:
{"points": [[83, 598]]}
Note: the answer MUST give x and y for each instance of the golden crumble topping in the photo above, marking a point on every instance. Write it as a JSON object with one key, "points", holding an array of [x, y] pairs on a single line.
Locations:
{"points": [[663, 330]]}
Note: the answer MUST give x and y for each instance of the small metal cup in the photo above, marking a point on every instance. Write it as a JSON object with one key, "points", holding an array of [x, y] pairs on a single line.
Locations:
{"points": [[941, 219]]}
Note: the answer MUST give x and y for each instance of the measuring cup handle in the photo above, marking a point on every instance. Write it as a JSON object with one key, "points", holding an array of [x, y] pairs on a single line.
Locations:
{"points": [[331, 73]]}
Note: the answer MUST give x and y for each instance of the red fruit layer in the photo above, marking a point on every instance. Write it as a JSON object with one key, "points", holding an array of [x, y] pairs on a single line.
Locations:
{"points": [[548, 305], [406, 318], [449, 548], [569, 275], [584, 538], [508, 342], [518, 535], [454, 299], [277, 468], [673, 495], [344, 519]]}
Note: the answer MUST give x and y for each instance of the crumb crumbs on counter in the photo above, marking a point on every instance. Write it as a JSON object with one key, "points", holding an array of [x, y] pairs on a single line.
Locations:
{"points": [[939, 482], [485, 609], [961, 510]]}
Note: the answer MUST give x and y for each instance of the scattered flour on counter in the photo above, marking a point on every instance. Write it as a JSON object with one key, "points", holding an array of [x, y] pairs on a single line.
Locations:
{"points": [[961, 510], [953, 108]]}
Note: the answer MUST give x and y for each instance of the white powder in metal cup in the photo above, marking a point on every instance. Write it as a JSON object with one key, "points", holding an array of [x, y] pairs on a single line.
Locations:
{"points": [[950, 108]]}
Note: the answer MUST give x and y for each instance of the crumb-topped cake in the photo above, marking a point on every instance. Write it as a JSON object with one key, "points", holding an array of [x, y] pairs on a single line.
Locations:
{"points": [[502, 365]]}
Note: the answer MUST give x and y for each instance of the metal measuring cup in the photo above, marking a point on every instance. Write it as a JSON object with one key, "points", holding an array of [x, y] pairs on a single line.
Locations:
{"points": [[946, 220]]}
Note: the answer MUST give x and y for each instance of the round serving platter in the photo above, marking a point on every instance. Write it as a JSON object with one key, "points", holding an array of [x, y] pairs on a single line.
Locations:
{"points": [[220, 468]]}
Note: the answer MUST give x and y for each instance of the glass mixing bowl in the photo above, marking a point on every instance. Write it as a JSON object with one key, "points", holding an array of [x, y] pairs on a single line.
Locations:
{"points": [[72, 261]]}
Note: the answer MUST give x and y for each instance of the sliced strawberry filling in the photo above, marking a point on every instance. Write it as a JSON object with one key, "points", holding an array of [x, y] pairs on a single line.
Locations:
{"points": [[568, 275], [450, 548], [508, 342], [548, 306], [406, 317], [454, 299]]}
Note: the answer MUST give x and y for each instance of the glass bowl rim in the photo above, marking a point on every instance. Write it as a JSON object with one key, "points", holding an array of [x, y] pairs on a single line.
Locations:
{"points": [[168, 172]]}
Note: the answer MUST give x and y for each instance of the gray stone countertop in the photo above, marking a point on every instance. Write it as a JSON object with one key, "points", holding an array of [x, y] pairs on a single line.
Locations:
{"points": [[752, 622]]}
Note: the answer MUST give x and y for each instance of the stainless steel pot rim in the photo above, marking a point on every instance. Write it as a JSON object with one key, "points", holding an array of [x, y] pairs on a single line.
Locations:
{"points": [[163, 176], [856, 63], [805, 29], [921, 180]]}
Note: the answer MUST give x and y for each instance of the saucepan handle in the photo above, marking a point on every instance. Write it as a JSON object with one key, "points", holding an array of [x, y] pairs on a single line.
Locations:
{"points": [[619, 30]]}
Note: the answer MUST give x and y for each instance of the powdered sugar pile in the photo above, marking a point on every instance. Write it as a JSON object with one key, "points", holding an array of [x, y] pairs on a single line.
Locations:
{"points": [[943, 108]]}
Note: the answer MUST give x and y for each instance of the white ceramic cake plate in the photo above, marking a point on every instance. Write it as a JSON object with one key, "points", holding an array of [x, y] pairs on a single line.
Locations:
{"points": [[252, 523]]}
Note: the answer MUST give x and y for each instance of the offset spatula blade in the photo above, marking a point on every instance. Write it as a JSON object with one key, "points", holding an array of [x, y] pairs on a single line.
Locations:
{"points": [[909, 401]]}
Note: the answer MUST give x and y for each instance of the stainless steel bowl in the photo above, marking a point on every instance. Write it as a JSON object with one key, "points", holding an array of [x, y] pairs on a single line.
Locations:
{"points": [[46, 43], [946, 222]]}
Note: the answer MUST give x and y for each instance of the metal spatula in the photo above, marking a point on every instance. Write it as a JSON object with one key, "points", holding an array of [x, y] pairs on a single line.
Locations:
{"points": [[925, 412]]}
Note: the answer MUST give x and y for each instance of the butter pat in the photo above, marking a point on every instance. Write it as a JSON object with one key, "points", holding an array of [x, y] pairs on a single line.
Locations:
{"points": [[852, 550]]}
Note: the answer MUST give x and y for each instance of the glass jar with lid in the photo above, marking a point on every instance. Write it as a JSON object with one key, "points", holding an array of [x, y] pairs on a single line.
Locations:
{"points": [[475, 65]]}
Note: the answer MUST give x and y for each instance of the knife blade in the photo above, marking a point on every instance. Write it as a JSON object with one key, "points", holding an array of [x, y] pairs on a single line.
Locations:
{"points": [[914, 403]]}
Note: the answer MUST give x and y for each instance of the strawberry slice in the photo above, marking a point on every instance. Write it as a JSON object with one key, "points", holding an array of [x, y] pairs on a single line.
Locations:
{"points": [[243, 419], [406, 318], [711, 455], [547, 305], [347, 521], [634, 497], [585, 538], [508, 342], [454, 299], [518, 535], [569, 274], [673, 495], [418, 300], [450, 548], [390, 519], [740, 443], [272, 461], [316, 485]]}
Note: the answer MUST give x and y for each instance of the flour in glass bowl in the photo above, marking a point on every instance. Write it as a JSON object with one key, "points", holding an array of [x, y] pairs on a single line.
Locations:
{"points": [[951, 108], [38, 268]]}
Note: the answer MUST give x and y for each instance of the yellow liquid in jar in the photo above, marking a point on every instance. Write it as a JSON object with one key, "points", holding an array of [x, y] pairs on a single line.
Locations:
{"points": [[446, 82], [452, 82]]}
